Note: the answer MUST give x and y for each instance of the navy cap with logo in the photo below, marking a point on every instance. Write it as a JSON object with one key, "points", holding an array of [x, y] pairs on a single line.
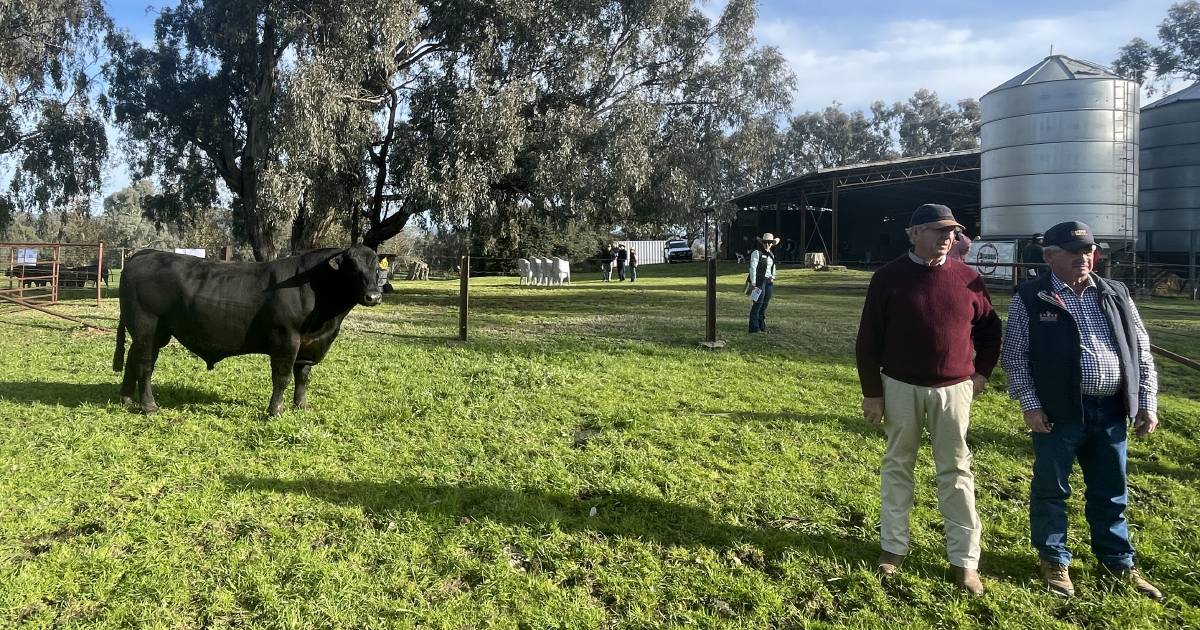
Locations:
{"points": [[1070, 235], [934, 215]]}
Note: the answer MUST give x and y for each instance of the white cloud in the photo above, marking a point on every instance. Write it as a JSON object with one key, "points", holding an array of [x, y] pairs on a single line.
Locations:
{"points": [[960, 58]]}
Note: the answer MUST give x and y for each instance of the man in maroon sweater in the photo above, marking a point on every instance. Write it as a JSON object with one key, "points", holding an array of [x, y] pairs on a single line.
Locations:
{"points": [[927, 342]]}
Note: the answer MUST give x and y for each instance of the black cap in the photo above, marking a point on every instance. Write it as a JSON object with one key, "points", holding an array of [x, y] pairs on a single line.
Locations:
{"points": [[1070, 235], [934, 215]]}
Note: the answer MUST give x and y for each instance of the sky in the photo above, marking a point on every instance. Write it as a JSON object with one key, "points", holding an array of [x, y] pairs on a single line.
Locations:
{"points": [[858, 52], [854, 53]]}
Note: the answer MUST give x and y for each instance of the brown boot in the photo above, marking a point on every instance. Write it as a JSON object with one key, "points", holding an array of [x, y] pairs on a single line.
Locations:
{"points": [[1132, 577], [1056, 578], [888, 564], [967, 579]]}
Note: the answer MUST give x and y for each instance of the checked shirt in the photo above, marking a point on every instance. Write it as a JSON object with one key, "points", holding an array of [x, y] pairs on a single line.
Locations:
{"points": [[1098, 359]]}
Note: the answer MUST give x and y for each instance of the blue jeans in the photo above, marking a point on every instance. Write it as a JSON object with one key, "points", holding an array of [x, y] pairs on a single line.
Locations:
{"points": [[1099, 443], [758, 310], [633, 273]]}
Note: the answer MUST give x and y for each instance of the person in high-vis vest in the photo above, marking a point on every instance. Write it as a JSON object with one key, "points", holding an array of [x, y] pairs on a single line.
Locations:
{"points": [[762, 281]]}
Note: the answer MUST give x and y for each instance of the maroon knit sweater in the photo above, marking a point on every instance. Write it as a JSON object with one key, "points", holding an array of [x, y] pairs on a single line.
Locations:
{"points": [[920, 325]]}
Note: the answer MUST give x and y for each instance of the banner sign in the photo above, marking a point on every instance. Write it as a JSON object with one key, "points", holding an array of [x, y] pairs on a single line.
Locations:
{"points": [[985, 255]]}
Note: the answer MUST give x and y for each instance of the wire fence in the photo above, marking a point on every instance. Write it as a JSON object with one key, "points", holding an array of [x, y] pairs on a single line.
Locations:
{"points": [[684, 303]]}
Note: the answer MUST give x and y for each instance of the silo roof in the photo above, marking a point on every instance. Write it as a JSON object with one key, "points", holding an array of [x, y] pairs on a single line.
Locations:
{"points": [[1186, 94], [1058, 68]]}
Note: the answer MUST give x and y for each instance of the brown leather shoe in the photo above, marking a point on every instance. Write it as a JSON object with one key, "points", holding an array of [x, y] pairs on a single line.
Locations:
{"points": [[967, 579], [888, 563], [1056, 578], [1132, 577]]}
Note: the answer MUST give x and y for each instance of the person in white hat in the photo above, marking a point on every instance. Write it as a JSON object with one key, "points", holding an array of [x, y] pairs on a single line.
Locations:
{"points": [[762, 281]]}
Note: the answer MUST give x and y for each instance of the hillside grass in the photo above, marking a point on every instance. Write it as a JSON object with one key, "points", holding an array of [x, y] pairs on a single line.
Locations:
{"points": [[579, 463]]}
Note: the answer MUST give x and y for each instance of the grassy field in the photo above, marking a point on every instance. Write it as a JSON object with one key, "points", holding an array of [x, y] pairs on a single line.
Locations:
{"points": [[579, 463]]}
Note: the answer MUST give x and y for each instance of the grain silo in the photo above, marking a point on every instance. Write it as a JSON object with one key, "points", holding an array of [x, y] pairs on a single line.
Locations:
{"points": [[1170, 178], [1060, 142]]}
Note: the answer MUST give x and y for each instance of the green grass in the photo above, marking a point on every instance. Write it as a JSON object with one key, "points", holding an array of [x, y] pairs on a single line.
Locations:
{"points": [[452, 485]]}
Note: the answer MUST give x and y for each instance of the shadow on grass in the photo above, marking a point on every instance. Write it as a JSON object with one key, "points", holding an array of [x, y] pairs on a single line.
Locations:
{"points": [[78, 394], [979, 438], [618, 513]]}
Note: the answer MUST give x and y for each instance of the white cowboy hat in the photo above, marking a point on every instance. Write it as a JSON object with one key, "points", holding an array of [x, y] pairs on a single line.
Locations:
{"points": [[768, 237]]}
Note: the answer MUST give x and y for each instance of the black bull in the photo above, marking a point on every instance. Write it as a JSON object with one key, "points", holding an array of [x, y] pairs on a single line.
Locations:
{"points": [[290, 309]]}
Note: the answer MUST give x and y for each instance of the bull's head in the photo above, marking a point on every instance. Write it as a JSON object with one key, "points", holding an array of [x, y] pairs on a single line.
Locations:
{"points": [[357, 267]]}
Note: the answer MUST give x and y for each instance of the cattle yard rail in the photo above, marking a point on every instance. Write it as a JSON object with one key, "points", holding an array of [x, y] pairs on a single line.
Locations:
{"points": [[37, 272]]}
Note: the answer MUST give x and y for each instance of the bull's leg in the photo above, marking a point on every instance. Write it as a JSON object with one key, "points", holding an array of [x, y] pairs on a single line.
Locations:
{"points": [[133, 366], [146, 353], [281, 375], [301, 373]]}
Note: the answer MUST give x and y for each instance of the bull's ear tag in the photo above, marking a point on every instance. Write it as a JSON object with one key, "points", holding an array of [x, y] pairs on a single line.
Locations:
{"points": [[335, 262]]}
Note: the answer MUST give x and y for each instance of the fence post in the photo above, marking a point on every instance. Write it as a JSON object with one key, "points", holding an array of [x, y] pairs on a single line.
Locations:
{"points": [[464, 281], [710, 308], [99, 271]]}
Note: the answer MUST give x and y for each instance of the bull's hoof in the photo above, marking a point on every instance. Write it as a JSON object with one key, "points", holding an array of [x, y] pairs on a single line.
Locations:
{"points": [[149, 409], [275, 410], [127, 401]]}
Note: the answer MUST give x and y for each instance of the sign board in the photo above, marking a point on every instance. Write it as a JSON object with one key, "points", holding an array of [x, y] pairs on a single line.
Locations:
{"points": [[27, 256], [988, 256], [198, 253]]}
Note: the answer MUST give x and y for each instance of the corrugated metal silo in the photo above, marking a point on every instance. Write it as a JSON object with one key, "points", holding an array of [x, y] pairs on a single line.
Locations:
{"points": [[1170, 177], [1060, 142]]}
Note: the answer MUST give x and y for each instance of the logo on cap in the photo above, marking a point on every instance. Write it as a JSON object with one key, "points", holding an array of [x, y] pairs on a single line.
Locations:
{"points": [[1079, 233]]}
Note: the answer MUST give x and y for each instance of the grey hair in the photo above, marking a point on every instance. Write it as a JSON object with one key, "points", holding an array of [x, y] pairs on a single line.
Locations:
{"points": [[911, 231]]}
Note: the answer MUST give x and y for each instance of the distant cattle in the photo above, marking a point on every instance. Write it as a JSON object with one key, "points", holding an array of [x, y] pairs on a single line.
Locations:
{"points": [[81, 275], [32, 273], [290, 309], [40, 274]]}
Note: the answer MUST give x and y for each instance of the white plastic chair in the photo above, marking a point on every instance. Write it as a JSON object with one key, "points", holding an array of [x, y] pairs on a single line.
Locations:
{"points": [[524, 272], [562, 271], [539, 270]]}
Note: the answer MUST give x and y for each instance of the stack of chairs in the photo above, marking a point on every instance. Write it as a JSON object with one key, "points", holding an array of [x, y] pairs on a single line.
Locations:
{"points": [[541, 271]]}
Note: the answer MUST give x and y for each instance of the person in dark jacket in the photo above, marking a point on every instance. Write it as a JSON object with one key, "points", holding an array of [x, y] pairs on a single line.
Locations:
{"points": [[606, 262], [622, 258], [633, 264], [1078, 360], [1032, 255]]}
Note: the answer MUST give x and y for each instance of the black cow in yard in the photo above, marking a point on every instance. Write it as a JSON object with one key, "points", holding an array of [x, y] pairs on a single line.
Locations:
{"points": [[290, 309]]}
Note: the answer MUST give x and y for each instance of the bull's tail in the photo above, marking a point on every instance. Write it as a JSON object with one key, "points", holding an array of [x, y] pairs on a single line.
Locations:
{"points": [[119, 352]]}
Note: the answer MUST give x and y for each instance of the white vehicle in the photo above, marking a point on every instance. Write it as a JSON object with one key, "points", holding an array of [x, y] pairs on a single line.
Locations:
{"points": [[676, 249]]}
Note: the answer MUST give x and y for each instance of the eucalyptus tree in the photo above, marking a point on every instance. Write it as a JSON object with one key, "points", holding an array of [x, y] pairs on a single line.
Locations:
{"points": [[484, 116], [52, 141], [1177, 54], [494, 116], [834, 137], [927, 125], [203, 105]]}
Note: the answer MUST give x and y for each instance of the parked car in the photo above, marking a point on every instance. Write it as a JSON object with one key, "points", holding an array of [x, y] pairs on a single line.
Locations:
{"points": [[676, 250]]}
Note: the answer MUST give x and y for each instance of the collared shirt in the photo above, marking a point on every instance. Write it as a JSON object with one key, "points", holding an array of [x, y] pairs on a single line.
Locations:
{"points": [[936, 262], [1100, 365], [755, 257]]}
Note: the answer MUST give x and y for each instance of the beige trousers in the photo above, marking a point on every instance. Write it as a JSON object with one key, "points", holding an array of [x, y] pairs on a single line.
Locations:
{"points": [[946, 412]]}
